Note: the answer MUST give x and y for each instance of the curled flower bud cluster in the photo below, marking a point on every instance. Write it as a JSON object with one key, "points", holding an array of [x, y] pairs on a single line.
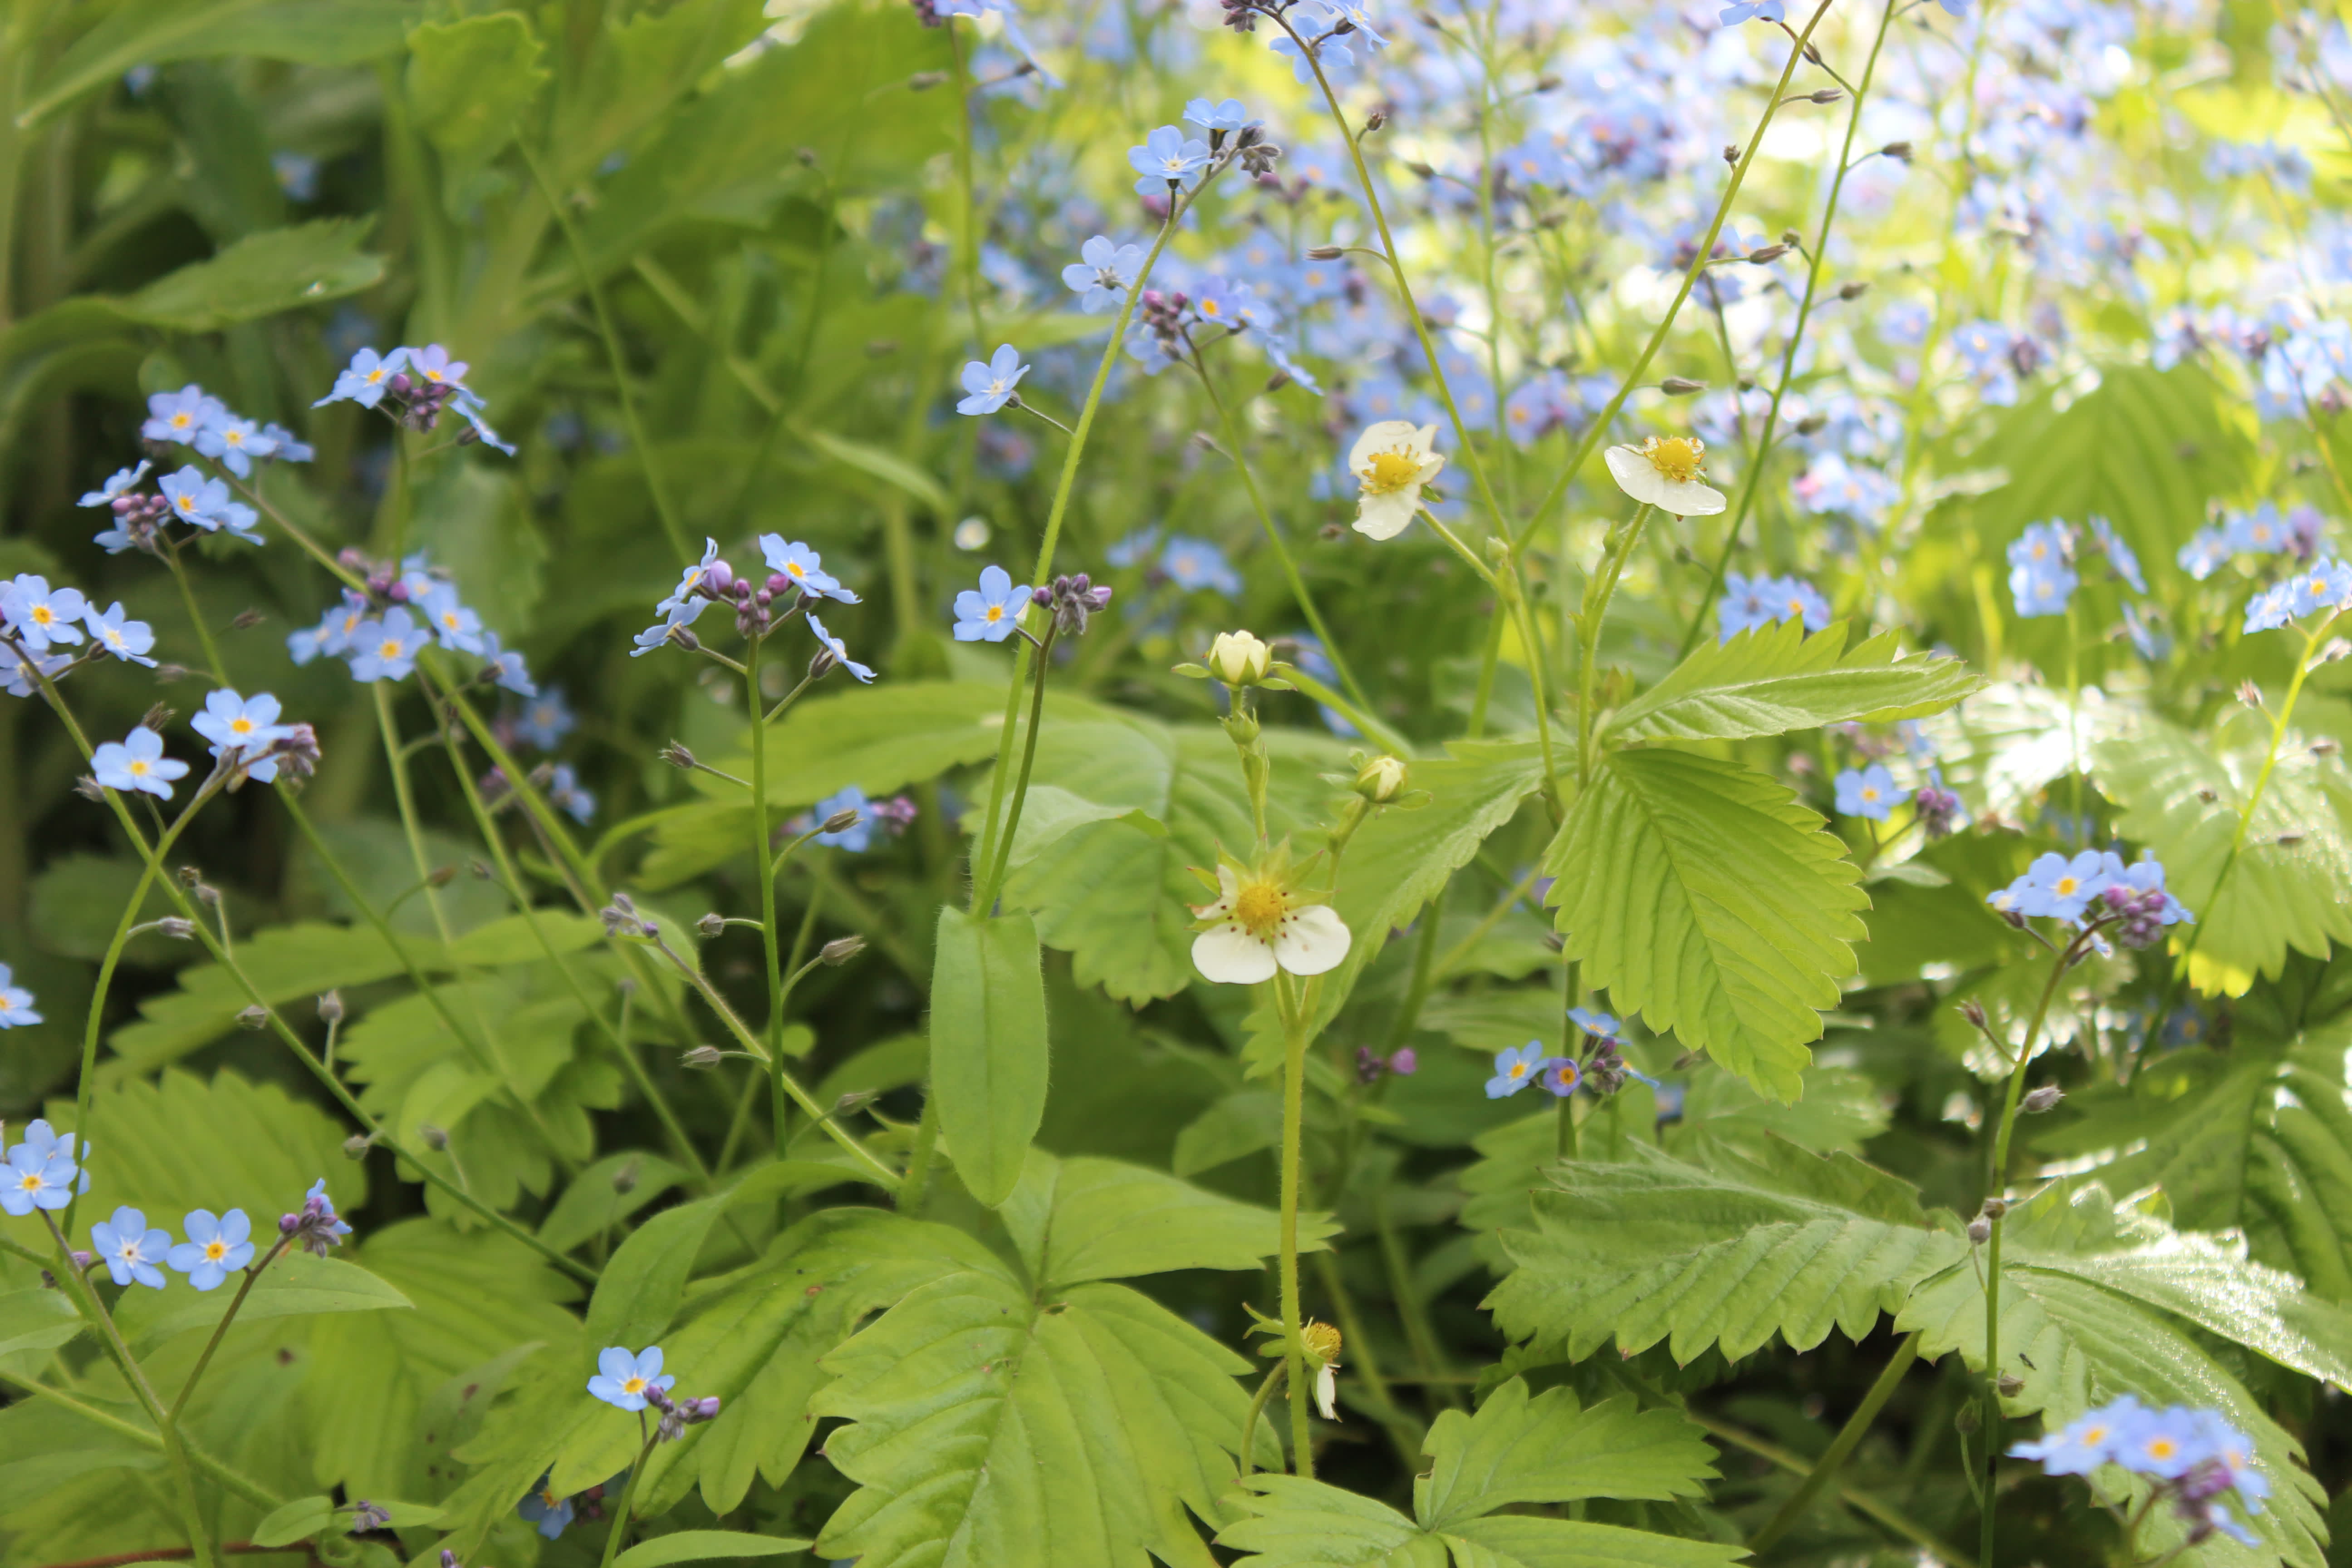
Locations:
{"points": [[316, 1228], [1072, 599]]}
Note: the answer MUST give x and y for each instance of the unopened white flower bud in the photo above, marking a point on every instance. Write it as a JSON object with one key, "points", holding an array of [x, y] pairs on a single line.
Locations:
{"points": [[1239, 659]]}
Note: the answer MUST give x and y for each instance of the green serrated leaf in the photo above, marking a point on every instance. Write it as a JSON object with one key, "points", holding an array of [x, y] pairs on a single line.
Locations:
{"points": [[1702, 896], [1770, 680], [989, 1046], [2076, 1343], [471, 80], [1298, 1524], [2285, 883], [1549, 1449], [1777, 1242], [1114, 894], [700, 1545]]}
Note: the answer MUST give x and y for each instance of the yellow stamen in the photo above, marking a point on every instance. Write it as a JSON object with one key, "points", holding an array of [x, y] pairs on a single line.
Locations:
{"points": [[1259, 907], [1679, 458], [1390, 472]]}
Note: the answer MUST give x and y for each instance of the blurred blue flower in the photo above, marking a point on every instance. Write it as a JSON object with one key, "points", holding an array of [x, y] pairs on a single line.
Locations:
{"points": [[1228, 115], [180, 417], [365, 381], [1872, 793], [387, 649], [546, 720], [15, 1002], [112, 630], [1193, 564], [860, 834], [118, 483], [2041, 569], [795, 561], [1103, 272], [564, 793]]}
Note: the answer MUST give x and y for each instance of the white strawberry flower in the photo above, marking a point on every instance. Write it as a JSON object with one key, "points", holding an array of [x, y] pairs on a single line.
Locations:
{"points": [[1259, 923], [1393, 461], [1667, 474]]}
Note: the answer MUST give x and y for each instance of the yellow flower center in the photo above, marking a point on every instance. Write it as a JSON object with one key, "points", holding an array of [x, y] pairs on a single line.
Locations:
{"points": [[215, 1250], [2065, 886], [1259, 908], [240, 726], [32, 1182], [389, 649], [1518, 1069], [180, 421], [1390, 472], [2162, 1447], [2096, 1435], [233, 437], [1870, 792], [633, 1386], [1209, 307], [1678, 458], [138, 768], [995, 614], [185, 503], [44, 615], [375, 376]]}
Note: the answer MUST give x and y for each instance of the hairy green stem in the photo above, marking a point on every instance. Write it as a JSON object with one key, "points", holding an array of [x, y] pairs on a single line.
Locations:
{"points": [[1818, 257], [220, 1330], [1558, 490], [985, 854], [1834, 1457], [1599, 589], [1295, 1013], [763, 854], [1997, 1183], [613, 1537], [1306, 601], [1273, 1375], [985, 894]]}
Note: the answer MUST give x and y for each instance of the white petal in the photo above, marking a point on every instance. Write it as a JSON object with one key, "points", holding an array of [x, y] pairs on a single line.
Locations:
{"points": [[1636, 475], [1429, 470], [1388, 435], [1327, 1392], [1691, 498], [1385, 516], [1231, 956], [1311, 939]]}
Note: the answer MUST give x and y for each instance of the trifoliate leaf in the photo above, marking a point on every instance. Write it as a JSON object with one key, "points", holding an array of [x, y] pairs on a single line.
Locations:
{"points": [[1702, 896]]}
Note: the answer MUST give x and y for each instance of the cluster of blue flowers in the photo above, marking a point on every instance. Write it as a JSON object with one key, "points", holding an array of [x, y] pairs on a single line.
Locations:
{"points": [[247, 742], [2259, 529], [2042, 563], [38, 623], [2092, 888], [411, 387], [2322, 584], [2194, 1456], [381, 628], [796, 580], [1603, 1066], [1748, 602], [893, 816]]}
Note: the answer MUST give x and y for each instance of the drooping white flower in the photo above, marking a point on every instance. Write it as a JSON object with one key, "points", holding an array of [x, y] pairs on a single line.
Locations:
{"points": [[1667, 474], [1393, 461], [1259, 923]]}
